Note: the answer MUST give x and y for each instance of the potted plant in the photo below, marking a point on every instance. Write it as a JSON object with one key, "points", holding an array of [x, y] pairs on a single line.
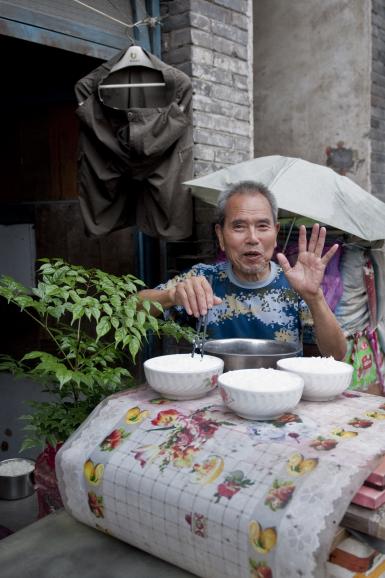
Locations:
{"points": [[96, 325]]}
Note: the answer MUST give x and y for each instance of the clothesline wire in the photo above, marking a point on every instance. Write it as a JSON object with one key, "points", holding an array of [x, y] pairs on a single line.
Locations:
{"points": [[150, 21]]}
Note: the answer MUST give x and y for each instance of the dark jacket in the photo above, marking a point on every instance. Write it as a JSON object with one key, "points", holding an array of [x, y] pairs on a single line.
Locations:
{"points": [[132, 162]]}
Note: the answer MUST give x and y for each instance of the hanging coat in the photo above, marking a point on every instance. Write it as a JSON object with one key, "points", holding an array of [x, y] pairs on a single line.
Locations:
{"points": [[132, 162]]}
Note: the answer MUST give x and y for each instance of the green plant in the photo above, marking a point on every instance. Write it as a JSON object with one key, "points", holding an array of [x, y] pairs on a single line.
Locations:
{"points": [[96, 325]]}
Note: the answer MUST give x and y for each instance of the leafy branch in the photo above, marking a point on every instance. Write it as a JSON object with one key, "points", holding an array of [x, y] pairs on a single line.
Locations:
{"points": [[97, 324]]}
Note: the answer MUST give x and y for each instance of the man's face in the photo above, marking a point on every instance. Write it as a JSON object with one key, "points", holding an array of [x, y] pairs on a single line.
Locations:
{"points": [[248, 236]]}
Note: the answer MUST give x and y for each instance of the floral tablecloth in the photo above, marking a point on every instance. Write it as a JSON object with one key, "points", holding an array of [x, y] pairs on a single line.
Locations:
{"points": [[220, 496]]}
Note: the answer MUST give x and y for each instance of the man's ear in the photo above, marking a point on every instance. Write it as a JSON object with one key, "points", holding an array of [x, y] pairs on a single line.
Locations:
{"points": [[219, 233]]}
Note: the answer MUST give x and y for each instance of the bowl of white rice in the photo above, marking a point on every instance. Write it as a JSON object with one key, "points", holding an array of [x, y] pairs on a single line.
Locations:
{"points": [[16, 478], [181, 376], [324, 377], [260, 393]]}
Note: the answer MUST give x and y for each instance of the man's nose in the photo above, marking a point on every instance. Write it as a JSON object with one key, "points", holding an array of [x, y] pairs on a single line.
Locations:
{"points": [[253, 236]]}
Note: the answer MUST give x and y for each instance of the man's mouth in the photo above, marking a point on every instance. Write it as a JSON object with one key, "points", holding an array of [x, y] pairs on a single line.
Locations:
{"points": [[252, 254]]}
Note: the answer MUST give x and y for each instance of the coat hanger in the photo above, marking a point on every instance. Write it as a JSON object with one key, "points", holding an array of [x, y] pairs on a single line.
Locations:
{"points": [[134, 56]]}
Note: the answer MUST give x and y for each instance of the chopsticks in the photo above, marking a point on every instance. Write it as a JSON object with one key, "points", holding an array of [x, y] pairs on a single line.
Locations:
{"points": [[199, 343]]}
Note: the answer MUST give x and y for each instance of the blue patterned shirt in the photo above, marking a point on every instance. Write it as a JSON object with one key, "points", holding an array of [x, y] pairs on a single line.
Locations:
{"points": [[268, 309]]}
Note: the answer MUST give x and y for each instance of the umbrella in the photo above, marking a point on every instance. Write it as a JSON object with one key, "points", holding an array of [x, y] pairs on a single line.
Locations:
{"points": [[303, 188]]}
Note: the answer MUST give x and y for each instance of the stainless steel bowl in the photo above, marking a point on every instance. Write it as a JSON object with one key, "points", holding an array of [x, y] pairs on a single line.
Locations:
{"points": [[250, 353], [14, 487]]}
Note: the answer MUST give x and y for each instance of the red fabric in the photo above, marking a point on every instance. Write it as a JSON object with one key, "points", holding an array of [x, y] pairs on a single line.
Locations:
{"points": [[48, 495]]}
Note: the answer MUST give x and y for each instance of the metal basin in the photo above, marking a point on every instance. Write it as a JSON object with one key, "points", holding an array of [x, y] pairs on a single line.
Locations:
{"points": [[19, 479], [251, 353]]}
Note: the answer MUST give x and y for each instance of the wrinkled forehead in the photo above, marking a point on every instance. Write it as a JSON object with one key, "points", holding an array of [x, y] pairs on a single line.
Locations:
{"points": [[248, 206]]}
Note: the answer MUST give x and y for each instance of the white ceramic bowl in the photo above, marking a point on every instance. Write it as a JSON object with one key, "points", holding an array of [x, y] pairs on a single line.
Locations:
{"points": [[260, 394], [180, 376], [324, 377]]}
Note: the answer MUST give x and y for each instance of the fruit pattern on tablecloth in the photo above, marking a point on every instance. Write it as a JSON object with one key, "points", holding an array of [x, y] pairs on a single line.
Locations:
{"points": [[184, 435]]}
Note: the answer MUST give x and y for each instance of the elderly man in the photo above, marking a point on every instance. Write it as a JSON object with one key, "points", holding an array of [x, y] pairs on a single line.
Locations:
{"points": [[249, 295]]}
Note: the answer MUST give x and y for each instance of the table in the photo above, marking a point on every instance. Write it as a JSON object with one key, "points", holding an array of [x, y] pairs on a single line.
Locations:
{"points": [[216, 495]]}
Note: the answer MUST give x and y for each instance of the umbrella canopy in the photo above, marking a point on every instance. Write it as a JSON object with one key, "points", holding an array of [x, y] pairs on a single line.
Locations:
{"points": [[303, 188]]}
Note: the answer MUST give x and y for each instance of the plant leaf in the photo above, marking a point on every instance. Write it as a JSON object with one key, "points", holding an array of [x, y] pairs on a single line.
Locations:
{"points": [[103, 327], [134, 346]]}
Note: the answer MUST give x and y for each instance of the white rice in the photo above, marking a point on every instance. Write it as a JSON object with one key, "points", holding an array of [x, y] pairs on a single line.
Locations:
{"points": [[314, 365], [259, 380], [15, 467], [183, 362]]}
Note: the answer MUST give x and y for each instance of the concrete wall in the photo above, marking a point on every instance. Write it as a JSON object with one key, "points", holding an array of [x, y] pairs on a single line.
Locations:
{"points": [[377, 130], [312, 64]]}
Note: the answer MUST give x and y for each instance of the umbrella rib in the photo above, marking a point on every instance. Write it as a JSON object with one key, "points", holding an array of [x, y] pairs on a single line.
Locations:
{"points": [[282, 172], [288, 235]]}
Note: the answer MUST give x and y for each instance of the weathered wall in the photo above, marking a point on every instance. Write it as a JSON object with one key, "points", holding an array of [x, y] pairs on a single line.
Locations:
{"points": [[211, 42], [312, 79], [377, 130]]}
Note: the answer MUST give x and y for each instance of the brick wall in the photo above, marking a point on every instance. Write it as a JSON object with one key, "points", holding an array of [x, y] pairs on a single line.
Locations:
{"points": [[211, 41], [377, 130]]}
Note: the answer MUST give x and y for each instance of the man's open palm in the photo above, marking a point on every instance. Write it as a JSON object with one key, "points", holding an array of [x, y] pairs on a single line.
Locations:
{"points": [[307, 274]]}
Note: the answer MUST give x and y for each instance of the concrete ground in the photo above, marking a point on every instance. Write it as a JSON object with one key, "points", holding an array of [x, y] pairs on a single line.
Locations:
{"points": [[16, 514]]}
